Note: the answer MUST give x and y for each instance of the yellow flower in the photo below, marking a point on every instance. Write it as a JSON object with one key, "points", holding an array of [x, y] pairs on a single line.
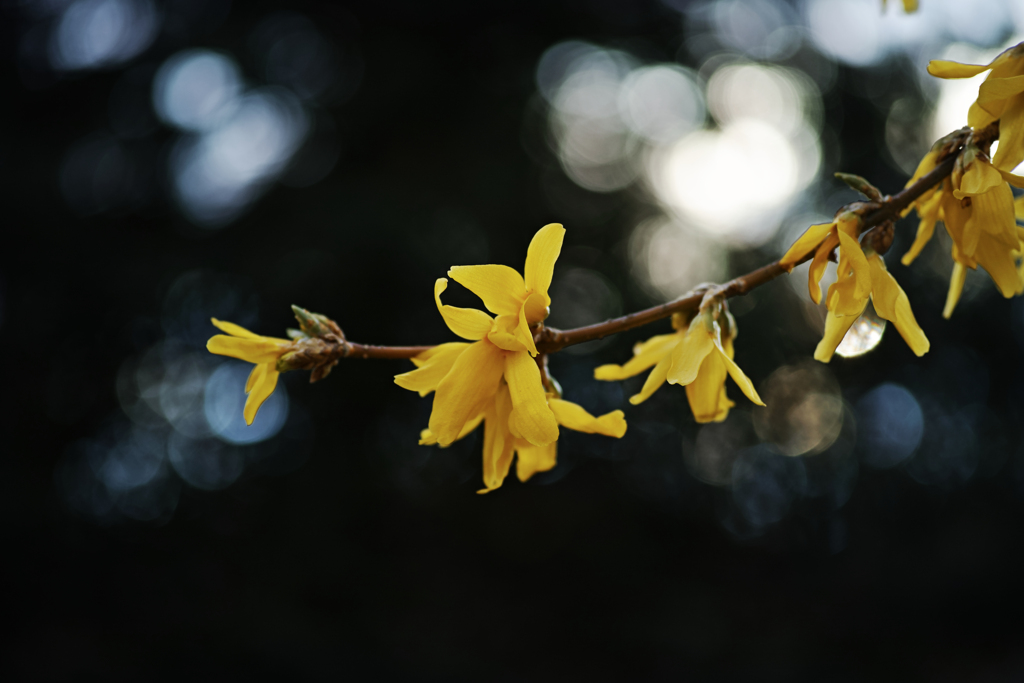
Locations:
{"points": [[821, 239], [495, 379], [976, 205], [861, 276], [263, 351], [1000, 97], [697, 356], [909, 6], [500, 444]]}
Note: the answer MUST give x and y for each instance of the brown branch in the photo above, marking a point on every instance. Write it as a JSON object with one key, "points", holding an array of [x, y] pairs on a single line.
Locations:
{"points": [[550, 340]]}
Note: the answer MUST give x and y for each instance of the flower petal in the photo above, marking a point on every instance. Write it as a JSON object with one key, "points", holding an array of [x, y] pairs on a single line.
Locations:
{"points": [[1011, 137], [705, 392], [993, 93], [430, 373], [499, 445], [892, 304], [945, 69], [500, 288], [647, 354], [263, 386], [523, 333], [544, 249], [460, 396], [852, 257], [653, 381], [836, 328], [427, 437], [532, 459], [979, 178], [956, 286], [818, 265], [687, 357], [805, 244], [929, 213], [505, 333], [233, 329], [1000, 263], [738, 376], [531, 417], [258, 350], [574, 417], [468, 323]]}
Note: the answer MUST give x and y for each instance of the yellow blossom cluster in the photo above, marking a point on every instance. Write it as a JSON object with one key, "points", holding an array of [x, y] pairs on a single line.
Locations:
{"points": [[499, 375]]}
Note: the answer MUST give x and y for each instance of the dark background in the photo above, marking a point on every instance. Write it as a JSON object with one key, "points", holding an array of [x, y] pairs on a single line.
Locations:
{"points": [[346, 550]]}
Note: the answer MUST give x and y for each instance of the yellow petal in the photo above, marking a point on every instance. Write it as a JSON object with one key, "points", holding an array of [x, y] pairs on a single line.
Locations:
{"points": [[945, 69], [531, 417], [738, 376], [233, 329], [705, 391], [924, 167], [835, 329], [263, 386], [574, 417], [690, 353], [468, 323], [258, 350], [979, 178], [544, 249], [818, 265], [852, 257], [427, 437], [925, 230], [505, 333], [653, 381], [499, 445], [929, 213], [532, 459], [892, 304], [992, 213], [426, 378], [537, 307], [646, 355], [461, 395], [523, 333], [1000, 263], [956, 286], [805, 244], [1018, 208], [500, 288], [994, 92], [1010, 152]]}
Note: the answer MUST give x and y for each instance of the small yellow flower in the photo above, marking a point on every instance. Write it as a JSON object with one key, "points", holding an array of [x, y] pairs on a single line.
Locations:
{"points": [[1000, 97], [500, 444], [698, 356], [909, 6], [263, 351], [976, 205], [861, 276], [495, 379]]}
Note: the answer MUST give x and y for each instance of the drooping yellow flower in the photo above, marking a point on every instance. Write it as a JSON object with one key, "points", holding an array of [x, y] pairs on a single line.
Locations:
{"points": [[698, 356], [1000, 97], [495, 379], [860, 277], [263, 351], [976, 205]]}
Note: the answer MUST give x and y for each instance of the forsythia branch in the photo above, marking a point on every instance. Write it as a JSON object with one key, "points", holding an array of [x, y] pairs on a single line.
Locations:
{"points": [[551, 340]]}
